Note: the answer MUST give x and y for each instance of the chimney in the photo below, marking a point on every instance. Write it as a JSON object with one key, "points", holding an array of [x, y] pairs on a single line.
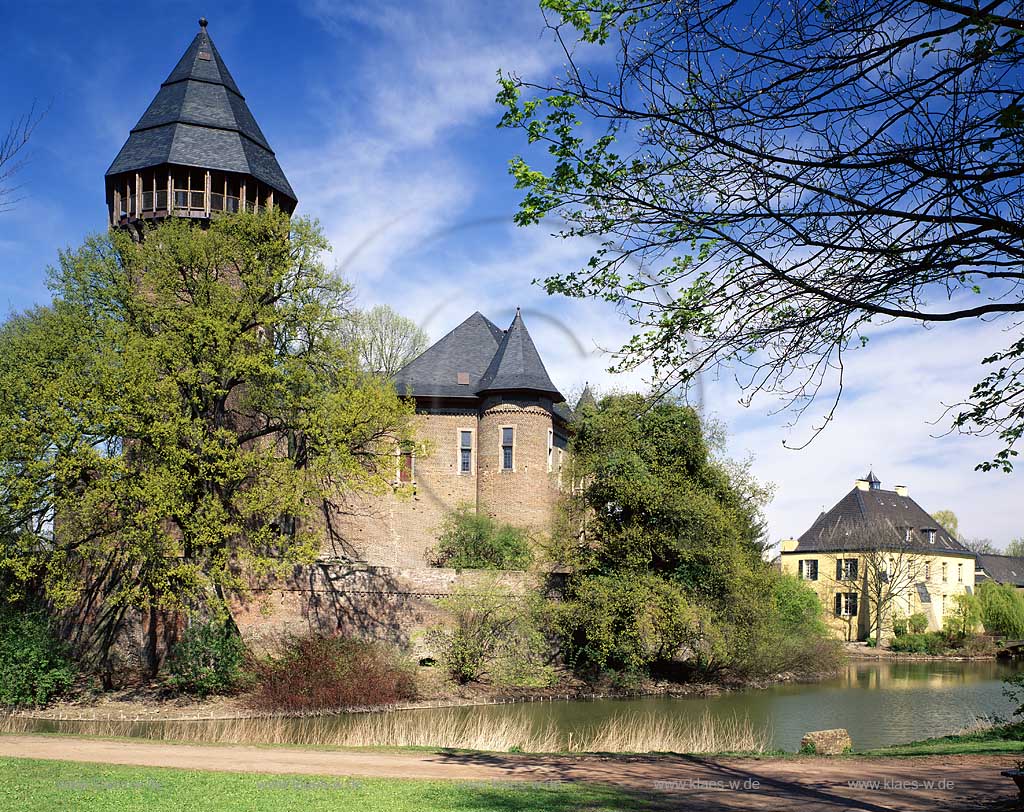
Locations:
{"points": [[901, 490], [787, 545], [862, 484]]}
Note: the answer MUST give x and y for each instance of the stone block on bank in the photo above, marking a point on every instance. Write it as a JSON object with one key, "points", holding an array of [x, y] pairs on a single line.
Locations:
{"points": [[826, 742]]}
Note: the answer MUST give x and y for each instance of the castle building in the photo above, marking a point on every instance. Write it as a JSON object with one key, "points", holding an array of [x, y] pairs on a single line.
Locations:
{"points": [[878, 550], [494, 424], [496, 430]]}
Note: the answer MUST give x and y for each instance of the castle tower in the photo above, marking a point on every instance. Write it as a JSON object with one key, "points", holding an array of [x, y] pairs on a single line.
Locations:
{"points": [[196, 151]]}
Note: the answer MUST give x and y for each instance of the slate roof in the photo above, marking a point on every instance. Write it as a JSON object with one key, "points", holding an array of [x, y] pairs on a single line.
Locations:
{"points": [[837, 529], [1003, 569], [488, 358], [586, 399], [516, 365], [200, 119]]}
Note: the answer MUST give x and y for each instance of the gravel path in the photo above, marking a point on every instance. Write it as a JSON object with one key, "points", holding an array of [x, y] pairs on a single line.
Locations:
{"points": [[671, 782]]}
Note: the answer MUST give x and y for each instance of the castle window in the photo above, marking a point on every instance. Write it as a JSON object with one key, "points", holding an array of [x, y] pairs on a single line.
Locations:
{"points": [[846, 569], [960, 572], [927, 570], [808, 569], [507, 445], [846, 604], [551, 450], [465, 452], [930, 535], [944, 568]]}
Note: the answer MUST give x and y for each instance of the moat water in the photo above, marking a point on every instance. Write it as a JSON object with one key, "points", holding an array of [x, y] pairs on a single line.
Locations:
{"points": [[878, 702]]}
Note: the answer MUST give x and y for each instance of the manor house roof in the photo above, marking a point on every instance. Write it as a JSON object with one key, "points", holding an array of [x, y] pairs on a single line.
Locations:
{"points": [[1003, 569], [845, 526]]}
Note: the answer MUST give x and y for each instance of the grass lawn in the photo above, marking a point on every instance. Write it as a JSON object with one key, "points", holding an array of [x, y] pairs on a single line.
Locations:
{"points": [[54, 786], [1000, 739]]}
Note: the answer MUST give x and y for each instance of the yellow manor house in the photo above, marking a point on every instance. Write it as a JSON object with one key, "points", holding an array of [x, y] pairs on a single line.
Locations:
{"points": [[877, 552]]}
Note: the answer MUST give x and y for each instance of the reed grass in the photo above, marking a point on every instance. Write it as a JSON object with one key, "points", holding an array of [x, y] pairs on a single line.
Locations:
{"points": [[628, 733]]}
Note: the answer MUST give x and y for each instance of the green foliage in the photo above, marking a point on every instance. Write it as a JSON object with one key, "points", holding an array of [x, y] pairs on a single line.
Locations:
{"points": [[184, 407], [918, 622], [949, 521], [625, 621], [927, 643], [1015, 547], [901, 625], [471, 540], [34, 664], [964, 616], [496, 635], [665, 543], [208, 659], [1002, 609]]}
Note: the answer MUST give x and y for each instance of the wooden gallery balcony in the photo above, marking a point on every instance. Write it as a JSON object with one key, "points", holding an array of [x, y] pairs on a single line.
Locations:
{"points": [[178, 192]]}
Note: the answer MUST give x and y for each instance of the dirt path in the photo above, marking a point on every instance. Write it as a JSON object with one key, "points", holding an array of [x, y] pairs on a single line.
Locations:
{"points": [[671, 782]]}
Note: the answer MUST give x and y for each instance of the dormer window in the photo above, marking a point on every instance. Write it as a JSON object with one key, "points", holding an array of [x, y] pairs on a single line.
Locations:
{"points": [[930, 535], [908, 534]]}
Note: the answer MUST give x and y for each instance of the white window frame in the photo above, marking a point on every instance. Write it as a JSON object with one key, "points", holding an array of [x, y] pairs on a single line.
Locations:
{"points": [[501, 449], [945, 572], [459, 448], [960, 572], [846, 603]]}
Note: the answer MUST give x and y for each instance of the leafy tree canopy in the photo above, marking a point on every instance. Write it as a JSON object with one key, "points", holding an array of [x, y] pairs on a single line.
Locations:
{"points": [[173, 421], [770, 182]]}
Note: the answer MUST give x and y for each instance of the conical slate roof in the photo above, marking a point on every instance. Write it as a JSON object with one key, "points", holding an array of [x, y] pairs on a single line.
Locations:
{"points": [[200, 119], [466, 351], [517, 365], [475, 358], [586, 399]]}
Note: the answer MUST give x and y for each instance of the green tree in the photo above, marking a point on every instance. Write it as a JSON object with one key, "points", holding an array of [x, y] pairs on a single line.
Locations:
{"points": [[176, 418], [948, 520], [665, 546], [965, 615], [1015, 547], [1002, 609], [766, 186], [472, 540], [384, 340]]}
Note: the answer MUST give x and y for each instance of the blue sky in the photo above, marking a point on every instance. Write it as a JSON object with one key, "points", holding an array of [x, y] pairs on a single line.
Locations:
{"points": [[382, 116]]}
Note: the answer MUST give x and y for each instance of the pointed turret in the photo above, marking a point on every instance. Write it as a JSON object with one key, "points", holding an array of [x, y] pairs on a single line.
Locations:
{"points": [[196, 150], [587, 399], [516, 365]]}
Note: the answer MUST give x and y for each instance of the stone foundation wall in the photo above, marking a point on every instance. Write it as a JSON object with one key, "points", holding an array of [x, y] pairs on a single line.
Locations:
{"points": [[392, 605]]}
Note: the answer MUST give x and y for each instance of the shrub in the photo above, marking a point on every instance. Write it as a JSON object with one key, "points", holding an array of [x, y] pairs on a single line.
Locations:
{"points": [[208, 659], [495, 635], [625, 622], [471, 540], [927, 643], [34, 663], [1002, 609], [900, 625], [918, 623], [321, 672], [760, 638]]}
